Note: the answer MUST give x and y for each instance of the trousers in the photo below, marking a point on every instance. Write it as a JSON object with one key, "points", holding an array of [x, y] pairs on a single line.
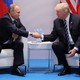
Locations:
{"points": [[18, 52]]}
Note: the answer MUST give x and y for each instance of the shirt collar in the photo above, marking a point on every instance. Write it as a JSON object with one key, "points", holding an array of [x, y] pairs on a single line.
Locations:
{"points": [[67, 18], [11, 18]]}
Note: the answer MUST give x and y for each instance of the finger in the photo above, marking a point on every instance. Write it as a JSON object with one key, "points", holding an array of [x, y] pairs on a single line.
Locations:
{"points": [[69, 52], [71, 55]]}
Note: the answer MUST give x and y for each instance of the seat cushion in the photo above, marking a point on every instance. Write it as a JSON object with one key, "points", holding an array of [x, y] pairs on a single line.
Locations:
{"points": [[6, 53], [73, 61]]}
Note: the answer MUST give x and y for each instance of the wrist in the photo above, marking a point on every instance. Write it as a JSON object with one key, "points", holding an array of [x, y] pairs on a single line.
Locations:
{"points": [[30, 33]]}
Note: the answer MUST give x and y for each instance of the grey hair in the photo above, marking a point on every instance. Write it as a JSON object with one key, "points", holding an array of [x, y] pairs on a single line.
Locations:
{"points": [[12, 7]]}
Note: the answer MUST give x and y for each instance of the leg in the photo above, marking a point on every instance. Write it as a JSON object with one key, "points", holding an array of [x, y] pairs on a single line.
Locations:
{"points": [[0, 48], [60, 51], [18, 52], [79, 60], [18, 56]]}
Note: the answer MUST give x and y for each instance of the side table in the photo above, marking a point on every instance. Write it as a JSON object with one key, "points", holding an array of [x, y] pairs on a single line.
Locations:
{"points": [[33, 45]]}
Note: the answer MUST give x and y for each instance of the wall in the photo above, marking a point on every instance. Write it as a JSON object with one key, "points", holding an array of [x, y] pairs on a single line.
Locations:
{"points": [[37, 14]]}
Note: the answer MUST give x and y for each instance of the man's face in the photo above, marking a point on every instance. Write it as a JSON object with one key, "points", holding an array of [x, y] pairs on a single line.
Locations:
{"points": [[61, 14], [15, 13]]}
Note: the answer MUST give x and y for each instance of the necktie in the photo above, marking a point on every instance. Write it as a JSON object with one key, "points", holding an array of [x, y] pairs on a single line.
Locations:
{"points": [[66, 34], [15, 22]]}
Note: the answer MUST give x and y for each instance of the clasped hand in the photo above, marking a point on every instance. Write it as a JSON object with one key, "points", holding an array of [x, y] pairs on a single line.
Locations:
{"points": [[36, 35]]}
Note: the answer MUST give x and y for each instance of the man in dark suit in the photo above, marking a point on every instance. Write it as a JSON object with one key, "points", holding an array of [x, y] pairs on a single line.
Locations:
{"points": [[69, 41], [11, 30]]}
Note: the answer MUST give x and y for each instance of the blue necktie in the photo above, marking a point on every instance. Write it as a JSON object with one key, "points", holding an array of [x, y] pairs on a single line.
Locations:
{"points": [[66, 34]]}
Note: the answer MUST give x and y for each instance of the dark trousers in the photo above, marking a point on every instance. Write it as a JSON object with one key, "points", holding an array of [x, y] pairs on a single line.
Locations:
{"points": [[60, 50], [18, 52]]}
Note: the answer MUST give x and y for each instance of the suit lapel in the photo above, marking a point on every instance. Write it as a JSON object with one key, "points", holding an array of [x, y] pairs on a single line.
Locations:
{"points": [[71, 21]]}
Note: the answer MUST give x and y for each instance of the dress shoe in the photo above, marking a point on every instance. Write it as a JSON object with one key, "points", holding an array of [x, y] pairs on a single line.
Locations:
{"points": [[18, 72], [64, 72]]}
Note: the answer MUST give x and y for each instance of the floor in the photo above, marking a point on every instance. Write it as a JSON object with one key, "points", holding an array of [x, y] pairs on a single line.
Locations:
{"points": [[39, 73]]}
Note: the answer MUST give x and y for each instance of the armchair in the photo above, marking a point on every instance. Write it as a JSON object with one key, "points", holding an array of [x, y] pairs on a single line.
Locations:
{"points": [[6, 56], [72, 61]]}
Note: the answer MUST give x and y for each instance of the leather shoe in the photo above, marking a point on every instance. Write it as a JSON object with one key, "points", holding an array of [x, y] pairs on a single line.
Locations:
{"points": [[64, 72], [17, 71]]}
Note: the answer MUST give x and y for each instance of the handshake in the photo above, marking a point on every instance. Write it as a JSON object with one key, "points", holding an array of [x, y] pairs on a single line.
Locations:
{"points": [[36, 34]]}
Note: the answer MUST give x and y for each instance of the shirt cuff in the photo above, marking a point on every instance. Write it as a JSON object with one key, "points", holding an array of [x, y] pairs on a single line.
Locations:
{"points": [[76, 48], [30, 33], [42, 37]]}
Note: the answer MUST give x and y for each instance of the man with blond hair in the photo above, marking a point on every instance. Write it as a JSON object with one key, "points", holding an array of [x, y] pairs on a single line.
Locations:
{"points": [[67, 29]]}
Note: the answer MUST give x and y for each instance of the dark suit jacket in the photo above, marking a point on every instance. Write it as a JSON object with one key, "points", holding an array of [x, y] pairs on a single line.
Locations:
{"points": [[7, 27], [58, 30]]}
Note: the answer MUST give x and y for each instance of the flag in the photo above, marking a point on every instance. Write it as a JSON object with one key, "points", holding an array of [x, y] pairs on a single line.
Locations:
{"points": [[4, 4], [74, 5], [78, 7]]}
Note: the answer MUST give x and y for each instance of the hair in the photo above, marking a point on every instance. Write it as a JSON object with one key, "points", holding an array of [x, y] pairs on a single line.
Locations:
{"points": [[12, 7], [63, 6]]}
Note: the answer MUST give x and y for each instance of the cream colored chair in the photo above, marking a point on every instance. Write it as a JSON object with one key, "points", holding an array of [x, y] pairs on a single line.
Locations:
{"points": [[6, 56], [72, 61]]}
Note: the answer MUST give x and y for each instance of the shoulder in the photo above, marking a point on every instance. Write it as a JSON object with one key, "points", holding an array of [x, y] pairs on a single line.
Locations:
{"points": [[58, 21], [6, 18], [75, 16]]}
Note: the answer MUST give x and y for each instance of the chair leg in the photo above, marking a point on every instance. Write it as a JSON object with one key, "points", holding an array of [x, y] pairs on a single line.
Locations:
{"points": [[79, 65], [25, 69], [55, 66]]}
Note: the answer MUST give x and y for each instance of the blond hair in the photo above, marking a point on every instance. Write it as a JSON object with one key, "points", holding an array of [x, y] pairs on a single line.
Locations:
{"points": [[62, 6]]}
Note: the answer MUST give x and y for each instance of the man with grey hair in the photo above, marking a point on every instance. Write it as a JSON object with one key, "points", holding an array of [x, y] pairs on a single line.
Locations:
{"points": [[67, 30], [11, 30]]}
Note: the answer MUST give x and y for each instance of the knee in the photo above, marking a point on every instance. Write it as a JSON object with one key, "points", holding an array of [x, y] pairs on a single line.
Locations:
{"points": [[20, 45], [54, 46], [0, 48]]}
